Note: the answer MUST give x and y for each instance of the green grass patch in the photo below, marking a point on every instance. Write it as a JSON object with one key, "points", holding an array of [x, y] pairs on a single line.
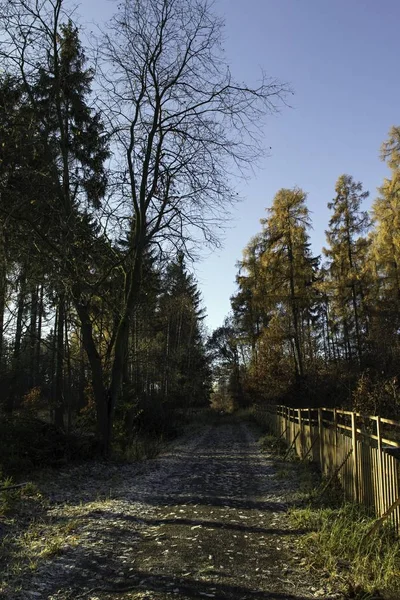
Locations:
{"points": [[270, 443], [338, 546]]}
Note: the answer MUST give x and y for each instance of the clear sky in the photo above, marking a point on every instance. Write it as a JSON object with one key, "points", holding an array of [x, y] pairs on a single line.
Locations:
{"points": [[342, 59]]}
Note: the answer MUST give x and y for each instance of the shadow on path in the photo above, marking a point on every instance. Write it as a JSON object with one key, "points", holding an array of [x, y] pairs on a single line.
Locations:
{"points": [[200, 523], [192, 588]]}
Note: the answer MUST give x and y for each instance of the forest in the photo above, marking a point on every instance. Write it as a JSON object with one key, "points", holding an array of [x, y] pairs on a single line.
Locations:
{"points": [[115, 150], [321, 330], [118, 157]]}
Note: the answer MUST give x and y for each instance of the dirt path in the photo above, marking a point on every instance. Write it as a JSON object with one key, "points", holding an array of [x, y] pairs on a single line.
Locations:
{"points": [[204, 520]]}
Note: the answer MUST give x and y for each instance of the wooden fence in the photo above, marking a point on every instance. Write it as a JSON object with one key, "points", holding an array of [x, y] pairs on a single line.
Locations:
{"points": [[362, 450]]}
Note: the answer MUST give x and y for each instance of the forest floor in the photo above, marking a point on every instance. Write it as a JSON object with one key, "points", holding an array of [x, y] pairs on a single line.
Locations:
{"points": [[205, 519]]}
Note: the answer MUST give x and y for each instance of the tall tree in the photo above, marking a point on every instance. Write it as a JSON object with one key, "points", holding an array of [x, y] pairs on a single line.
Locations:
{"points": [[186, 372], [346, 253], [289, 266], [46, 54], [180, 122], [384, 258]]}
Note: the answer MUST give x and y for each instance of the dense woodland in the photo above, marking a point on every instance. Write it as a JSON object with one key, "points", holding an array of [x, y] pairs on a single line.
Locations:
{"points": [[116, 155], [116, 146], [319, 330]]}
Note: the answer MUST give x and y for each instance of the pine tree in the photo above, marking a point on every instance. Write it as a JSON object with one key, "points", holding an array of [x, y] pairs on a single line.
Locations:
{"points": [[346, 253], [186, 373], [384, 259], [288, 267], [386, 219]]}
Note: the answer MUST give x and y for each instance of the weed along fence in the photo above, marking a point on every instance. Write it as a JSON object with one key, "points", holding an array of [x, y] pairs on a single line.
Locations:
{"points": [[361, 450]]}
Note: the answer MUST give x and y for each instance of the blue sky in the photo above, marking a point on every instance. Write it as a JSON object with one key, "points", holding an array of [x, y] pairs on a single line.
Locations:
{"points": [[342, 60]]}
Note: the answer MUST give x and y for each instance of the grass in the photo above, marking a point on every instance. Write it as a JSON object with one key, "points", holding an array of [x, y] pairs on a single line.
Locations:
{"points": [[338, 545], [45, 541], [7, 496], [364, 567], [22, 552], [11, 498], [37, 537], [269, 443]]}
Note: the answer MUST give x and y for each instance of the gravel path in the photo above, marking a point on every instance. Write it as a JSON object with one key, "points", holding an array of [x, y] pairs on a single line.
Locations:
{"points": [[206, 519]]}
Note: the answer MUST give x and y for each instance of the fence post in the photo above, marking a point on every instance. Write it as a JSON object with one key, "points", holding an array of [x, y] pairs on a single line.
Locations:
{"points": [[301, 432], [285, 417], [336, 436], [380, 468], [321, 439], [288, 433], [355, 455]]}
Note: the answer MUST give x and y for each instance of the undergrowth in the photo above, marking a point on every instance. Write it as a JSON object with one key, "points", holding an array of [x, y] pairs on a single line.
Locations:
{"points": [[364, 565], [269, 443], [148, 441], [338, 544], [143, 447]]}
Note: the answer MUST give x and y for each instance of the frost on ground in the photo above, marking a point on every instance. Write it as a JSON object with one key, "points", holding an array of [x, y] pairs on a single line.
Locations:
{"points": [[206, 519]]}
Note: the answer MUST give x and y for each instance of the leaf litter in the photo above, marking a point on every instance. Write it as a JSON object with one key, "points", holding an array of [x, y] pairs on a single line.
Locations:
{"points": [[206, 519]]}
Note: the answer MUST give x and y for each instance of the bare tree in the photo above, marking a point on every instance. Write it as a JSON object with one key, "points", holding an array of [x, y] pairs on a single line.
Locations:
{"points": [[181, 129], [181, 125]]}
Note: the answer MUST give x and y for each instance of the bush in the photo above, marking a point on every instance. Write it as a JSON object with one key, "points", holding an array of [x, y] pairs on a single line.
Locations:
{"points": [[377, 396], [270, 443], [28, 443]]}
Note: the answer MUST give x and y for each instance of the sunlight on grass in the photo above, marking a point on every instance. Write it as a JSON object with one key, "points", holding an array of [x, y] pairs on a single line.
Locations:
{"points": [[338, 545]]}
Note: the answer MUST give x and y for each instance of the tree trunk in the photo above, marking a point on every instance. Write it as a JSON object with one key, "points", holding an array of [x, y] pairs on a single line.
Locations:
{"points": [[39, 331], [16, 357], [294, 306], [3, 295], [82, 377], [68, 379], [33, 337], [98, 385], [356, 321], [59, 375]]}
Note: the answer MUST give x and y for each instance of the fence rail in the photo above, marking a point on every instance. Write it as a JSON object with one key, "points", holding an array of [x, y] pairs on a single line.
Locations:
{"points": [[364, 450]]}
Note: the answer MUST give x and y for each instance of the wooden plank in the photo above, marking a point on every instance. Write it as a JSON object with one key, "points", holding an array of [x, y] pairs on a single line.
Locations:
{"points": [[355, 455], [291, 445], [390, 422], [380, 465], [383, 518], [301, 433], [346, 427], [310, 448], [335, 473], [386, 503], [336, 437], [277, 440], [339, 411], [321, 440], [390, 443], [371, 436]]}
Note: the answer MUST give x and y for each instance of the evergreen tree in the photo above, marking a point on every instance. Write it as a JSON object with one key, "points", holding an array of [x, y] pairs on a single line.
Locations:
{"points": [[186, 373], [288, 267], [346, 253], [384, 260]]}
